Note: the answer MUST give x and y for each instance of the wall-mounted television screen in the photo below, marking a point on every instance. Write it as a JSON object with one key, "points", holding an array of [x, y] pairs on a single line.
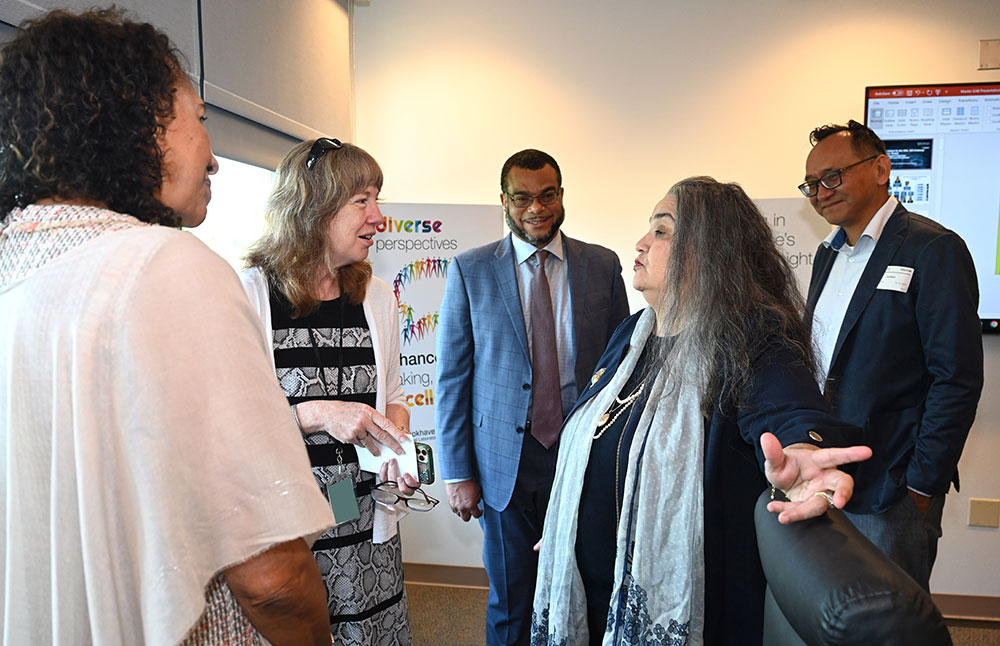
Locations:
{"points": [[944, 143]]}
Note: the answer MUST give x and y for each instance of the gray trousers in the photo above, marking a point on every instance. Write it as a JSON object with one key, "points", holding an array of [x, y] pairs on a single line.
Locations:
{"points": [[907, 537]]}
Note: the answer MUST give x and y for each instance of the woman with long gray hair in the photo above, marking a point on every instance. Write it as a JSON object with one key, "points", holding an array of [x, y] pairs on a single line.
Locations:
{"points": [[699, 401]]}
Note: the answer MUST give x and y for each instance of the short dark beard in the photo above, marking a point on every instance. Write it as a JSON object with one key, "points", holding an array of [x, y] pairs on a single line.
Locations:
{"points": [[516, 229]]}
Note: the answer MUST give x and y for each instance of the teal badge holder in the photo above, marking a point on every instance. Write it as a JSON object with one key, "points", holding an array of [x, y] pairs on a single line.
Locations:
{"points": [[343, 501]]}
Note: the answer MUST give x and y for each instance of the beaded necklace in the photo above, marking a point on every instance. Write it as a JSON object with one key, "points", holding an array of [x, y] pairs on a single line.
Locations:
{"points": [[618, 406]]}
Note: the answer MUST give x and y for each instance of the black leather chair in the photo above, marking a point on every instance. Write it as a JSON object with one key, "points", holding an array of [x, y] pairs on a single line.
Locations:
{"points": [[829, 585]]}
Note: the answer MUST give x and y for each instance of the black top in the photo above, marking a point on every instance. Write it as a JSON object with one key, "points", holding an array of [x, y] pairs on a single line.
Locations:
{"points": [[327, 355], [601, 496]]}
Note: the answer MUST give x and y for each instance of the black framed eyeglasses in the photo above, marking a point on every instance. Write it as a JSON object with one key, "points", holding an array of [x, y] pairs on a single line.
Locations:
{"points": [[831, 180], [387, 493], [524, 200], [319, 148]]}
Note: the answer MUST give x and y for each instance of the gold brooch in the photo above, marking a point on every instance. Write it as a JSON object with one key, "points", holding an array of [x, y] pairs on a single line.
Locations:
{"points": [[596, 377]]}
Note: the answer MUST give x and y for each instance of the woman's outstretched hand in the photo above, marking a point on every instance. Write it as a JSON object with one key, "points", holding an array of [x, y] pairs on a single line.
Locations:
{"points": [[809, 477]]}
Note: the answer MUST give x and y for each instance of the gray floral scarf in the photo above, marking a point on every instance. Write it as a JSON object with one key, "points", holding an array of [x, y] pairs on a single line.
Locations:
{"points": [[659, 589]]}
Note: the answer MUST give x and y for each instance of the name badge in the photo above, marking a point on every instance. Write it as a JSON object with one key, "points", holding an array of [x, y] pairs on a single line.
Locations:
{"points": [[896, 278], [343, 501]]}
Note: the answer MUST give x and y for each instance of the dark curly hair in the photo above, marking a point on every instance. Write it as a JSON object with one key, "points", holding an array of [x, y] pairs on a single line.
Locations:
{"points": [[82, 100]]}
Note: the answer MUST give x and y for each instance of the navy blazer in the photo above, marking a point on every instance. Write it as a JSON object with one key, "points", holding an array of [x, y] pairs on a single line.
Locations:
{"points": [[783, 399], [907, 367], [484, 368]]}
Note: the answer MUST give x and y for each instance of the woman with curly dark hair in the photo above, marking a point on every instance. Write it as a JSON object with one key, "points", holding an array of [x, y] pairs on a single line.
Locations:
{"points": [[155, 488]]}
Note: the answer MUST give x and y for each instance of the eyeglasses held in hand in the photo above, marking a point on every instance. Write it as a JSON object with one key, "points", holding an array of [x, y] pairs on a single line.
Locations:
{"points": [[523, 200], [831, 180], [319, 148], [387, 494]]}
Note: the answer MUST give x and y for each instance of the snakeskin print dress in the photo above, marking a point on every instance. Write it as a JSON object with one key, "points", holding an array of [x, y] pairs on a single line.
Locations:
{"points": [[328, 355]]}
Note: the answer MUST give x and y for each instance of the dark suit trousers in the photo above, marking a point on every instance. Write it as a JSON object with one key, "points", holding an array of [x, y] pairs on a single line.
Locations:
{"points": [[508, 539]]}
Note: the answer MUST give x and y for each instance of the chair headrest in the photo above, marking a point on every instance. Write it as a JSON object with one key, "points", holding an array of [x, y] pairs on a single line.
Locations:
{"points": [[835, 587]]}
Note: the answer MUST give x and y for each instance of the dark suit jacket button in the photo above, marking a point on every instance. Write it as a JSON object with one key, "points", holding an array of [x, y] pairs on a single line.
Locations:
{"points": [[519, 429], [815, 436], [526, 386]]}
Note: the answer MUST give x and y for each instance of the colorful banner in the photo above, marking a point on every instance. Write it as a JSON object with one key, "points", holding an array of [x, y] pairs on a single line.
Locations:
{"points": [[411, 253]]}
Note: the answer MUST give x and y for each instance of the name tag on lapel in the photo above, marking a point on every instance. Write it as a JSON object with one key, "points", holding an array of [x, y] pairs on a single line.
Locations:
{"points": [[896, 278]]}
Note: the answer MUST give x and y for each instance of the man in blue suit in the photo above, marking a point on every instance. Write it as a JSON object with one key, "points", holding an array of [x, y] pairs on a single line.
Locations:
{"points": [[523, 322], [893, 302]]}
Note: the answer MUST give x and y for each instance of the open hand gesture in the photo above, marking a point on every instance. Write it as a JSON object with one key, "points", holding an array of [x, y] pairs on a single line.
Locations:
{"points": [[809, 477]]}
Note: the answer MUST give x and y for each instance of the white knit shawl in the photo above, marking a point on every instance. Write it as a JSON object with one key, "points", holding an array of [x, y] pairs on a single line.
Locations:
{"points": [[145, 445]]}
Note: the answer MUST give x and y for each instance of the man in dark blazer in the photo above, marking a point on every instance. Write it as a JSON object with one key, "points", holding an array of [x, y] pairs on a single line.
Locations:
{"points": [[893, 306], [496, 459]]}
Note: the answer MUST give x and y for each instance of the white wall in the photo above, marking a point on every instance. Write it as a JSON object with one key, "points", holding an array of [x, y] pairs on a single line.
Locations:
{"points": [[631, 96]]}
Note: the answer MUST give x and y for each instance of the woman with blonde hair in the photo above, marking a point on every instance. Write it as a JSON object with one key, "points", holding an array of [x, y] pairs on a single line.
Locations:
{"points": [[334, 332]]}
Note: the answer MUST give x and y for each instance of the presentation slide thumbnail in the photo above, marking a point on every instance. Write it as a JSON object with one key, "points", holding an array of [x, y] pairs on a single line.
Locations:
{"points": [[910, 154]]}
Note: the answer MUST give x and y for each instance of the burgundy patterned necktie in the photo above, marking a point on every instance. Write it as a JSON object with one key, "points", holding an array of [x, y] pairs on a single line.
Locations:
{"points": [[546, 391]]}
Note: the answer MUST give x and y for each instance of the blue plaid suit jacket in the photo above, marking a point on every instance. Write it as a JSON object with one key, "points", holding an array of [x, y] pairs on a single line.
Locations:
{"points": [[484, 369]]}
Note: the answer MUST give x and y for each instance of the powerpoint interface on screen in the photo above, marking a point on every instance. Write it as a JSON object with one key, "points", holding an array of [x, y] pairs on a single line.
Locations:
{"points": [[944, 143]]}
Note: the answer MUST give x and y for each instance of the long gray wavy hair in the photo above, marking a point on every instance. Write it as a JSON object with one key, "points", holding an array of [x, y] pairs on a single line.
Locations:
{"points": [[730, 294]]}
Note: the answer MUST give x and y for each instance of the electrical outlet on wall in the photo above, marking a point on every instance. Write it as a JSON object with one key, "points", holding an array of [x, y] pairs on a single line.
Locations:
{"points": [[984, 512], [989, 54]]}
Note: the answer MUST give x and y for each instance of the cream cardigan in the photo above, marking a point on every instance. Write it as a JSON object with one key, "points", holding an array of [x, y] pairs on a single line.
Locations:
{"points": [[382, 313]]}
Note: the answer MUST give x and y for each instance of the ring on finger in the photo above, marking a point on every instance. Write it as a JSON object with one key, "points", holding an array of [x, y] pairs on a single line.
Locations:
{"points": [[829, 497]]}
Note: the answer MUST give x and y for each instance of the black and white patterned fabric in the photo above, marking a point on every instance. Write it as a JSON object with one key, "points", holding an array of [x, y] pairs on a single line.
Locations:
{"points": [[328, 355]]}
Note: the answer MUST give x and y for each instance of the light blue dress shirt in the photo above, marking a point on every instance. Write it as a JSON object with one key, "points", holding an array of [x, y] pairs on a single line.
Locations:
{"points": [[848, 265], [557, 273]]}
